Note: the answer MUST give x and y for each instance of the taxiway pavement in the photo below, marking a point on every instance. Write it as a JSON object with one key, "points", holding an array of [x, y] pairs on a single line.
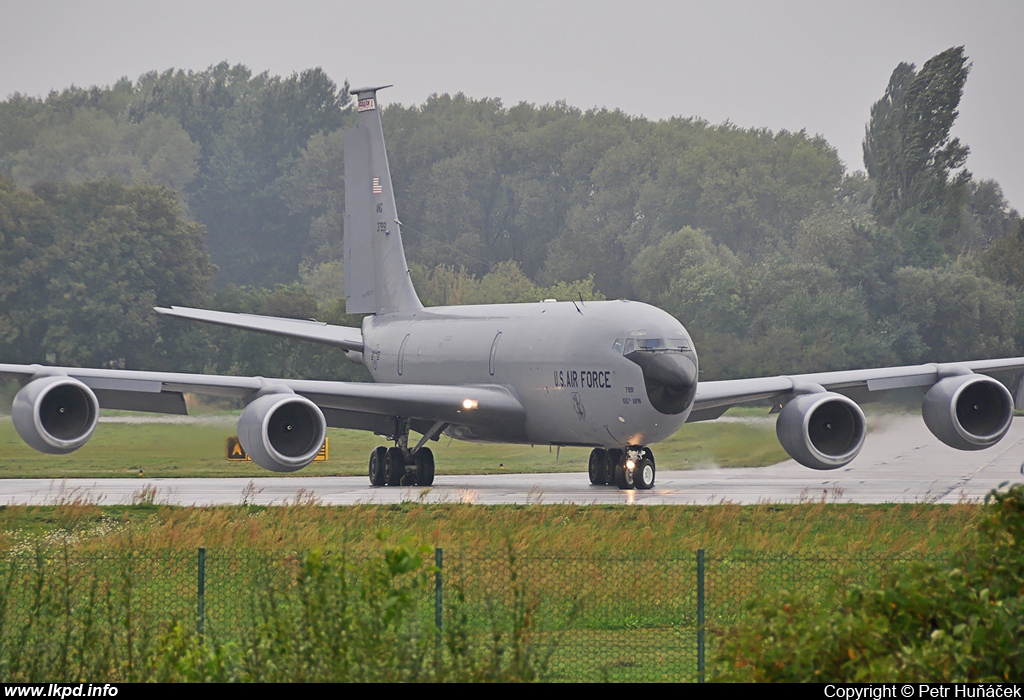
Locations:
{"points": [[901, 463]]}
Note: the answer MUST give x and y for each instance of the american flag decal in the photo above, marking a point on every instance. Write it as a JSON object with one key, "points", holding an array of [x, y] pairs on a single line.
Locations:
{"points": [[377, 189]]}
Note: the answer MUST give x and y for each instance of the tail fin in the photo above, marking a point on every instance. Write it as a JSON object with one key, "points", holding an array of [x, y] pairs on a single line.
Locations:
{"points": [[376, 274]]}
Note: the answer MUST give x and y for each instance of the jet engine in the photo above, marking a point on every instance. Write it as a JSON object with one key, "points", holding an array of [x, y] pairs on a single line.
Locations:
{"points": [[56, 414], [822, 430], [968, 411], [282, 432]]}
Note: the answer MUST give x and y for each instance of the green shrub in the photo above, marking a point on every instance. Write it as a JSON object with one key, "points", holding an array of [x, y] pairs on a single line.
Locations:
{"points": [[957, 621]]}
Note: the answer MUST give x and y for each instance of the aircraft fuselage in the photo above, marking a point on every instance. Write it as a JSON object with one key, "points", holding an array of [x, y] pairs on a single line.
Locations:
{"points": [[564, 361]]}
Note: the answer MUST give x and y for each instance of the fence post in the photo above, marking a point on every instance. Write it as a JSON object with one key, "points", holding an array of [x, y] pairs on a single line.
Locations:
{"points": [[201, 612], [438, 607], [700, 615]]}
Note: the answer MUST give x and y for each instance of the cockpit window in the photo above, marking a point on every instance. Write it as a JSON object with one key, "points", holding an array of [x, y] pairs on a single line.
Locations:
{"points": [[628, 345]]}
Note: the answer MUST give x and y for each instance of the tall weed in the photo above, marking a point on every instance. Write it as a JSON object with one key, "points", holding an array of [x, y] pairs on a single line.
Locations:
{"points": [[323, 617]]}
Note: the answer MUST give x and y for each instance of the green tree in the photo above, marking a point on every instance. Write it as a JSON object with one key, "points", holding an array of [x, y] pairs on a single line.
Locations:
{"points": [[240, 194], [1004, 261], [28, 229], [802, 318], [506, 283], [693, 279], [92, 145], [20, 118], [314, 189], [594, 238], [907, 149], [956, 313], [987, 218], [480, 184], [118, 252]]}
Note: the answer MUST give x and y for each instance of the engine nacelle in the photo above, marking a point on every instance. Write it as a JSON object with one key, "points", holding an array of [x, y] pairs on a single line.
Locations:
{"points": [[282, 432], [823, 430], [968, 412], [55, 415]]}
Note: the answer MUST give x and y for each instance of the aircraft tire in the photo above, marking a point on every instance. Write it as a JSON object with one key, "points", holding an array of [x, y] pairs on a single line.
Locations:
{"points": [[377, 466], [611, 465], [624, 477], [643, 475], [596, 466], [394, 466], [424, 467]]}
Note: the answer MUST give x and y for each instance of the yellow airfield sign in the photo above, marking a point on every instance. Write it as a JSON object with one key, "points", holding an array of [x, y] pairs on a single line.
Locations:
{"points": [[237, 454]]}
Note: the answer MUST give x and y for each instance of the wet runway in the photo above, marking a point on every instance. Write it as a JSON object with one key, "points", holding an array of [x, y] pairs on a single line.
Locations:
{"points": [[901, 463]]}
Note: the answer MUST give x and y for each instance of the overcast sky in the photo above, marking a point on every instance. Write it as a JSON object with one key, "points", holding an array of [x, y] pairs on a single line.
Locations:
{"points": [[788, 64]]}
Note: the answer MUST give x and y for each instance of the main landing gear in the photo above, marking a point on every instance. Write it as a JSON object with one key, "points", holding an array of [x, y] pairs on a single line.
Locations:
{"points": [[389, 466], [627, 469], [400, 466]]}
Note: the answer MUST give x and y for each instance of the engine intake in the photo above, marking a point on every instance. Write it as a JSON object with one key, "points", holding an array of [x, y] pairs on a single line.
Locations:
{"points": [[968, 412], [282, 432], [822, 430], [55, 415]]}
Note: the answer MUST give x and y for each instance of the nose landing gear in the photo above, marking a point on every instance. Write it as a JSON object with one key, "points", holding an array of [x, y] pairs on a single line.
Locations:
{"points": [[627, 469]]}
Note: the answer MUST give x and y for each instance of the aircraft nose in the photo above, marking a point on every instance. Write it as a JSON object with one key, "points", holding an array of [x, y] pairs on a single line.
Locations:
{"points": [[669, 377]]}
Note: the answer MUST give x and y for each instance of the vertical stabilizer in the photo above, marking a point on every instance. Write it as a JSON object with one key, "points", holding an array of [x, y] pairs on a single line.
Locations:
{"points": [[376, 274]]}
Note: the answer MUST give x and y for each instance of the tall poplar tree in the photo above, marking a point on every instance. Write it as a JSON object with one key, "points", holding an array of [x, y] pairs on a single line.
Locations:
{"points": [[908, 153]]}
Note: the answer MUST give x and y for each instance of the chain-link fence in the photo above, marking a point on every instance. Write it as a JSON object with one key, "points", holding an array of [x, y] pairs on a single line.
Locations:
{"points": [[573, 618]]}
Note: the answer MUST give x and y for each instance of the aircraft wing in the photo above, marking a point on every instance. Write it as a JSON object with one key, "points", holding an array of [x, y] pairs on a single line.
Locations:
{"points": [[358, 405], [714, 398], [315, 331]]}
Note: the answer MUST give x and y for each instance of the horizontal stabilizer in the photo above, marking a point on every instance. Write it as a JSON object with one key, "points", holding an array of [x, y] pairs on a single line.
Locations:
{"points": [[314, 331]]}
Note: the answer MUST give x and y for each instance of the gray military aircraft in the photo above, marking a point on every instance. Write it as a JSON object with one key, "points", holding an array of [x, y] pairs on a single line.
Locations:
{"points": [[616, 376]]}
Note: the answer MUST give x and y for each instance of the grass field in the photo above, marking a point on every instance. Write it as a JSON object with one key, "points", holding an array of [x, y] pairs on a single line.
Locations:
{"points": [[610, 589], [198, 449], [536, 529]]}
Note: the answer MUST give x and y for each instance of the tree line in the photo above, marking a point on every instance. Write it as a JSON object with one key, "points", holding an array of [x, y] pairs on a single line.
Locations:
{"points": [[225, 189]]}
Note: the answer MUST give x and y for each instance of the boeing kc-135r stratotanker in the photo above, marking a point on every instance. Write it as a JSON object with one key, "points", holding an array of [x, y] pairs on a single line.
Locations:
{"points": [[617, 376]]}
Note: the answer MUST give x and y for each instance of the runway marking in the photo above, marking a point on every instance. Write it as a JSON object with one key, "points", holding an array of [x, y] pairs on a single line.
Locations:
{"points": [[964, 481]]}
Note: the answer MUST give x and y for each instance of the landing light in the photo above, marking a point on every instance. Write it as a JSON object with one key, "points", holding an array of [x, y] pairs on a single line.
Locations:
{"points": [[470, 404], [630, 464]]}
